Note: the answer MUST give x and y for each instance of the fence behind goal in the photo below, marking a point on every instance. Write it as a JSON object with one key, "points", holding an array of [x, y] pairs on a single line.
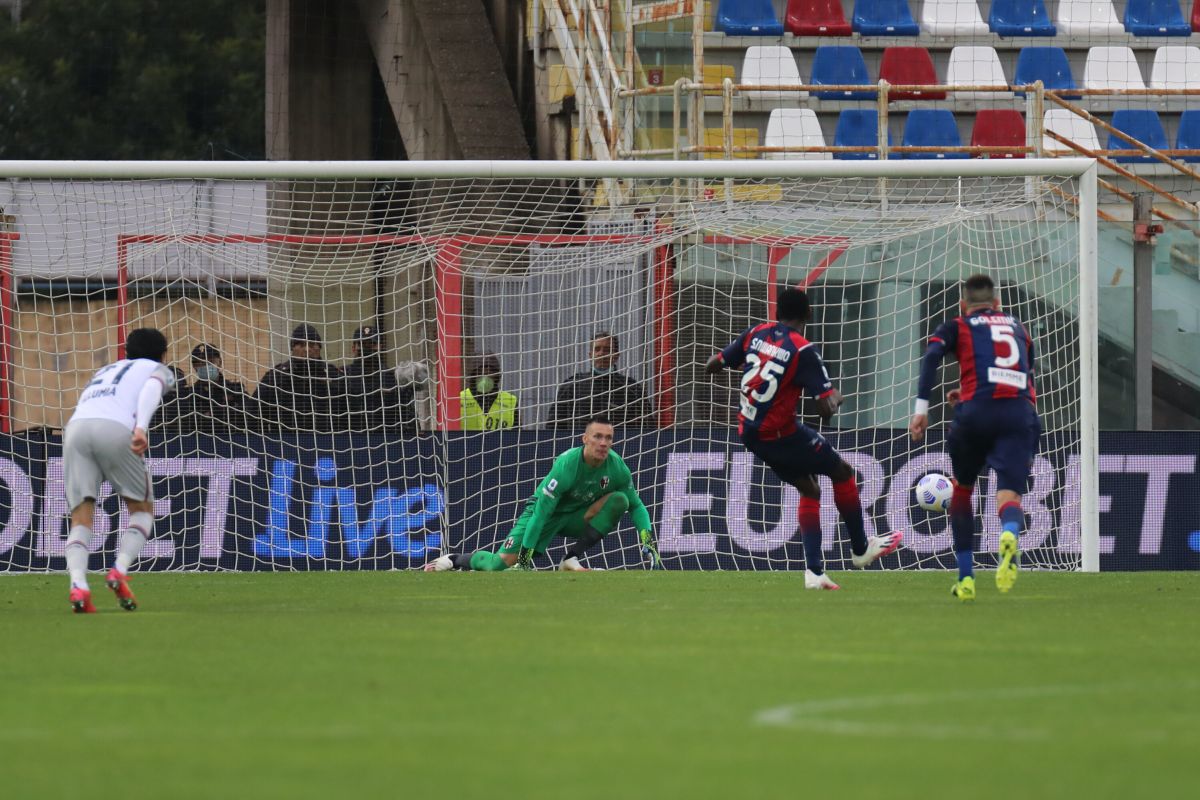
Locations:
{"points": [[489, 282]]}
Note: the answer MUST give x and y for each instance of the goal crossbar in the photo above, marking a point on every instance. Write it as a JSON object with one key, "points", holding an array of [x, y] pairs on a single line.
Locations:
{"points": [[559, 170]]}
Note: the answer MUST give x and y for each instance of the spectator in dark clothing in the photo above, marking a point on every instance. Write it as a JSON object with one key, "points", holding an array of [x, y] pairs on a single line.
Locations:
{"points": [[600, 390], [169, 419], [302, 394], [212, 404], [375, 402]]}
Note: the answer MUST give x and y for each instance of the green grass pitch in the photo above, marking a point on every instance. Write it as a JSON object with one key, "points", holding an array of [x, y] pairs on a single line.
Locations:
{"points": [[606, 685]]}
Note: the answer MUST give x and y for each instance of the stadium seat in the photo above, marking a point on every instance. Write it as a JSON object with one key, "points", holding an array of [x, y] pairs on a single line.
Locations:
{"points": [[976, 66], [771, 65], [952, 18], [1156, 18], [795, 127], [931, 127], [748, 18], [1070, 126], [884, 18], [1046, 64], [816, 18], [999, 127], [1188, 137], [840, 65], [1175, 67], [909, 66], [1196, 15], [1020, 18], [1087, 18], [1112, 68], [1142, 124], [858, 128]]}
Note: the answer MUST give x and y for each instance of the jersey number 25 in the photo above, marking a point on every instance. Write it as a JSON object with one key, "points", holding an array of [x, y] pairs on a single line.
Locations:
{"points": [[769, 371]]}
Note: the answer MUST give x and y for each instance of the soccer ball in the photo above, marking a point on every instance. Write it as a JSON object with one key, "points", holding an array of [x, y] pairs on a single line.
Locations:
{"points": [[933, 492]]}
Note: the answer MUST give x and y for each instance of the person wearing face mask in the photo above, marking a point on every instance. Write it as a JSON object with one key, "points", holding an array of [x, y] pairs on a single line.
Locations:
{"points": [[375, 401], [212, 404], [304, 393], [600, 390], [485, 406]]}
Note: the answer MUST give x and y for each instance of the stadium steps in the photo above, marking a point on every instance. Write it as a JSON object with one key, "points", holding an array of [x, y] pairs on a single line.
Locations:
{"points": [[1176, 349], [446, 104]]}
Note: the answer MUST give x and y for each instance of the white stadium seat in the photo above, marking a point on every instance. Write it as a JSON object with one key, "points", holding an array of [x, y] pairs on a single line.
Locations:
{"points": [[1066, 123], [1112, 68], [795, 127], [771, 65], [1088, 18], [952, 18], [1176, 67], [976, 66]]}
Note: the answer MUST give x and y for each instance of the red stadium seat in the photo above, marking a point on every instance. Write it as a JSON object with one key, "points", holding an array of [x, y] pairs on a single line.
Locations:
{"points": [[1196, 15], [999, 127], [909, 66], [816, 18]]}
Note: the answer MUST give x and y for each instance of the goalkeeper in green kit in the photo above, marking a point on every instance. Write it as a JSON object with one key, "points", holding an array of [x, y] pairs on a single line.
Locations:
{"points": [[588, 490]]}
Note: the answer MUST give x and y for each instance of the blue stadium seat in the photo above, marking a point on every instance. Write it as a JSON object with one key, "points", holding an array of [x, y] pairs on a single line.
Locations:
{"points": [[1020, 18], [1156, 18], [1046, 64], [884, 18], [857, 128], [840, 65], [931, 127], [1188, 137], [748, 18], [1142, 124]]}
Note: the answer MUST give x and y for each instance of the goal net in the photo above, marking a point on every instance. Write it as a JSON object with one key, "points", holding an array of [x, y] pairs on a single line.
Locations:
{"points": [[377, 363]]}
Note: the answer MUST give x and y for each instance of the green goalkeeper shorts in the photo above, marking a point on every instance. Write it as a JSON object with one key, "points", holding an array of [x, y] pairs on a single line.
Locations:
{"points": [[571, 525]]}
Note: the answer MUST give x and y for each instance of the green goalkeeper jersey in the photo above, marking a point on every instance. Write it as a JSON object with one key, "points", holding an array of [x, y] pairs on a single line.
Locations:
{"points": [[572, 486]]}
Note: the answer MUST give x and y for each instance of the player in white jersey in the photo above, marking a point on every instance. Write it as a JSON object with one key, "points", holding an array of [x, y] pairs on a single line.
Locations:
{"points": [[105, 440]]}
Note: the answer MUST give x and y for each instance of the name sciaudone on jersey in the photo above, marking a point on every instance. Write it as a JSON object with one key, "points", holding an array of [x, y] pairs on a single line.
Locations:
{"points": [[770, 350]]}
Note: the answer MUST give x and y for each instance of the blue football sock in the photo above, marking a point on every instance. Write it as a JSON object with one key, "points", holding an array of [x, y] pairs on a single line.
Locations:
{"points": [[1012, 518], [966, 563]]}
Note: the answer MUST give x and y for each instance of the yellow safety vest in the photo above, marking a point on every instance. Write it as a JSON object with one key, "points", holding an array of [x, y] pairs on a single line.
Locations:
{"points": [[502, 414]]}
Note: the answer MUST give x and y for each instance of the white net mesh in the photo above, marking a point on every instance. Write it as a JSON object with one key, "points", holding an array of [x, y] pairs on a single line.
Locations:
{"points": [[486, 299]]}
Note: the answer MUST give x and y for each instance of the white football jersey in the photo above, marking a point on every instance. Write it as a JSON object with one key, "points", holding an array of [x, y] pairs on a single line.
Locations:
{"points": [[112, 393]]}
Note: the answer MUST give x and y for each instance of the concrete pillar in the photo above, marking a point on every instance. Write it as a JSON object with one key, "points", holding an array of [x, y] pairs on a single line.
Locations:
{"points": [[319, 72]]}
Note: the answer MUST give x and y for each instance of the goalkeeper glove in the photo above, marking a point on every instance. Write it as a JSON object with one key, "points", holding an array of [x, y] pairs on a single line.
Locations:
{"points": [[649, 550], [524, 559]]}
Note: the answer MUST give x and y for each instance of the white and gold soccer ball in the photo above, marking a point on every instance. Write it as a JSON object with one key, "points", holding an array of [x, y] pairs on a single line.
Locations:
{"points": [[934, 491]]}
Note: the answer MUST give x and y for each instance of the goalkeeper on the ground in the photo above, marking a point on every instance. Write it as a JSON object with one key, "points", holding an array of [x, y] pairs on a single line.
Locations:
{"points": [[588, 490]]}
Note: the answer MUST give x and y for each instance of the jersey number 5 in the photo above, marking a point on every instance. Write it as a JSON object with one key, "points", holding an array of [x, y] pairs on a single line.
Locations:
{"points": [[1003, 334], [769, 371]]}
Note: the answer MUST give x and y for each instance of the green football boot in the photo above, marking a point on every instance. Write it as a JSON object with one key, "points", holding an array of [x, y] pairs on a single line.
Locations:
{"points": [[1006, 570], [964, 590]]}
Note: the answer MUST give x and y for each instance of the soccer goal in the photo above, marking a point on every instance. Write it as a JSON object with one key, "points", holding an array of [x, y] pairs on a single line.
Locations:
{"points": [[481, 310]]}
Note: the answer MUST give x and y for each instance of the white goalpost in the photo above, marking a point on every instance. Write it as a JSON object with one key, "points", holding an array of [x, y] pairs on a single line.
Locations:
{"points": [[456, 306]]}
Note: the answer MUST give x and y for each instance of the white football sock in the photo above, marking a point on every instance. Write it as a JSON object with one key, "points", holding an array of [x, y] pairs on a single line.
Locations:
{"points": [[77, 556], [133, 540]]}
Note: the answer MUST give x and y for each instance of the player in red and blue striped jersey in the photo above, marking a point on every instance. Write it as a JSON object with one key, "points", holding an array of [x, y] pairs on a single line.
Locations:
{"points": [[778, 365], [995, 420]]}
